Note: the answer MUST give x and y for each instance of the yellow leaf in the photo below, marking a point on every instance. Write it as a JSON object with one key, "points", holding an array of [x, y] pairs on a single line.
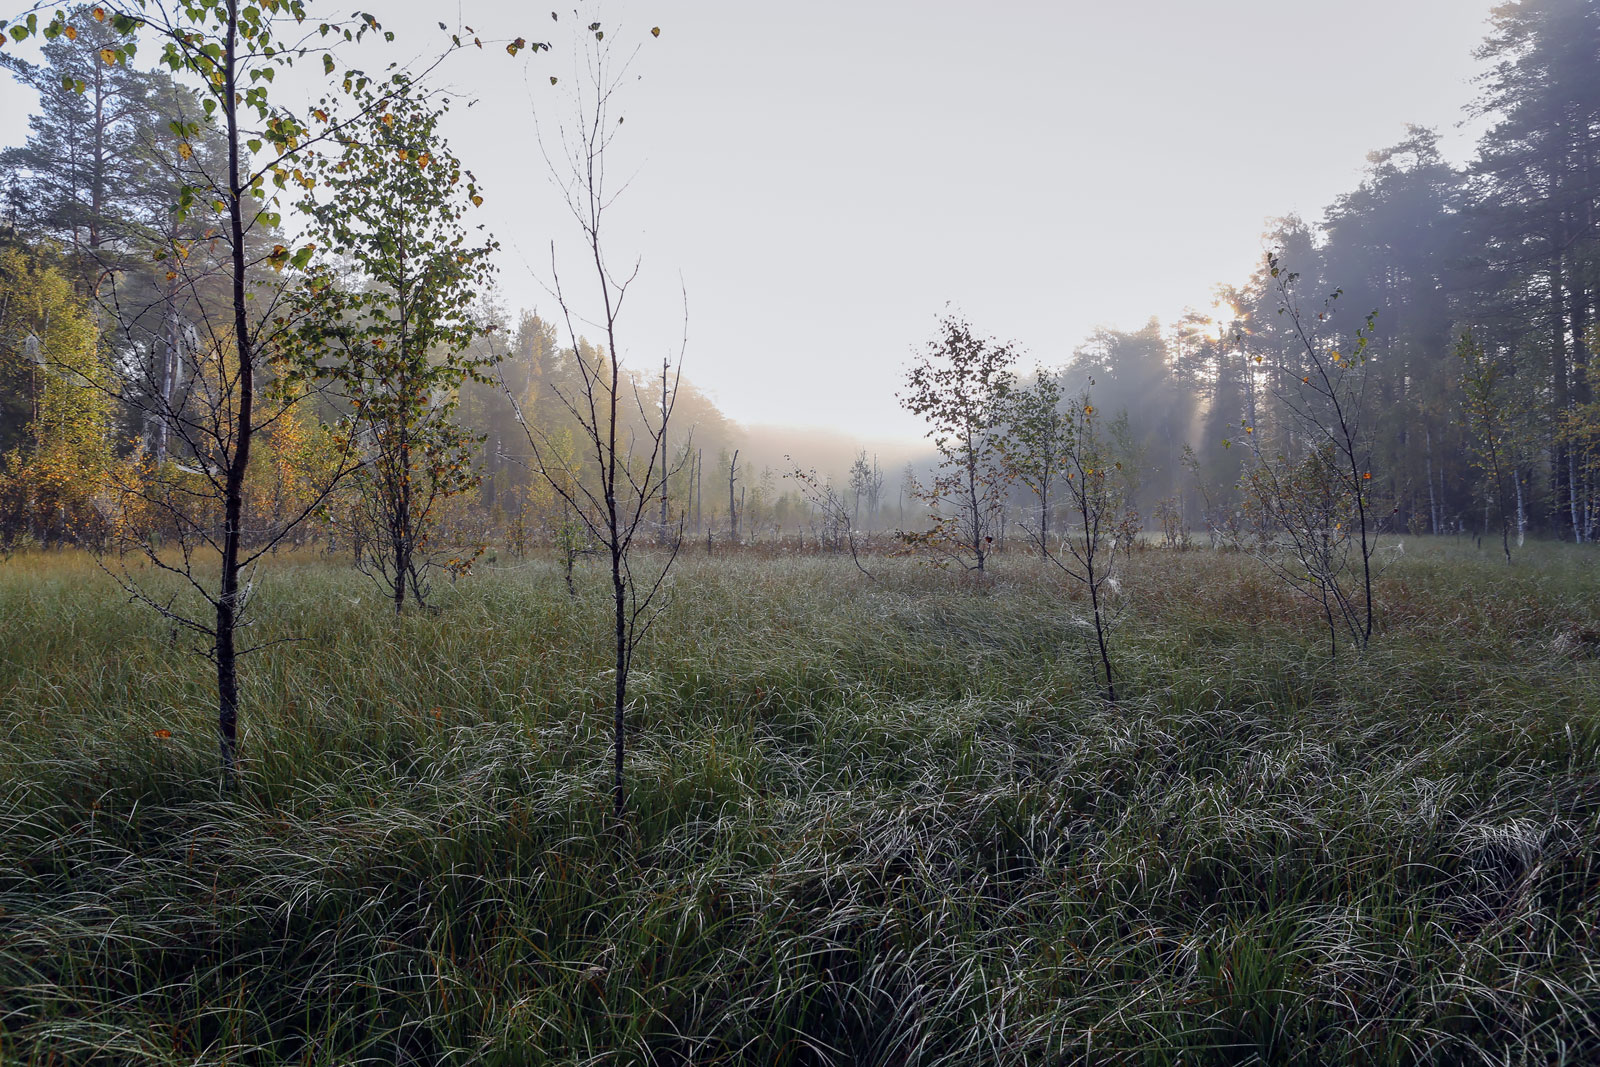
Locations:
{"points": [[108, 57], [322, 116], [477, 201], [184, 149], [99, 14], [71, 32], [655, 31], [388, 120]]}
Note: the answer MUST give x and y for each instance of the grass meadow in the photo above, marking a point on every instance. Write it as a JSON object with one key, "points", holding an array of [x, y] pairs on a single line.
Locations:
{"points": [[887, 822]]}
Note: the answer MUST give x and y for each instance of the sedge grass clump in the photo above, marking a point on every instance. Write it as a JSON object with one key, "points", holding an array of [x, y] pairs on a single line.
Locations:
{"points": [[869, 822]]}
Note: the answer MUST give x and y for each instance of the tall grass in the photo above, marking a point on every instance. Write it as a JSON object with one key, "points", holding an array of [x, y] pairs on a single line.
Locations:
{"points": [[885, 822]]}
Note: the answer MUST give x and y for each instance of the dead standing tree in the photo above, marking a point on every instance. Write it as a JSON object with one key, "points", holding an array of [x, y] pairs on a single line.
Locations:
{"points": [[612, 499], [733, 503], [866, 482]]}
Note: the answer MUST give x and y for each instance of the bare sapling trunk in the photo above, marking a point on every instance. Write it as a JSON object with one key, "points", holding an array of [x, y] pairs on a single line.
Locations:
{"points": [[661, 527], [398, 534], [1044, 519], [1522, 515], [1574, 488], [239, 461], [1092, 516], [977, 528], [1433, 500], [613, 498]]}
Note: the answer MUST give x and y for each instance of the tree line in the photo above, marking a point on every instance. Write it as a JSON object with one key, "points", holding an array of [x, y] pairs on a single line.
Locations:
{"points": [[115, 308], [1503, 248], [1479, 395]]}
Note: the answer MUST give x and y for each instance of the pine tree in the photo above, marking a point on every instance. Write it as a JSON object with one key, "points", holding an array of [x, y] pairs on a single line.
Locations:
{"points": [[80, 171], [1535, 212], [1392, 246]]}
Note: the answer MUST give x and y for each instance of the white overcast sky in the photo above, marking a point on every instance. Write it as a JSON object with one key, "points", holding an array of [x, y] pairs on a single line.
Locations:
{"points": [[826, 176]]}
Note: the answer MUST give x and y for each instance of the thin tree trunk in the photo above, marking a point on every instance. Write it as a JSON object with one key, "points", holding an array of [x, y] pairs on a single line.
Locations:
{"points": [[1573, 483], [1044, 517], [1358, 479], [1433, 500], [1366, 566], [400, 527], [168, 386], [233, 492], [1589, 506], [97, 179], [1333, 630], [1100, 637], [1091, 538], [1522, 518], [978, 546], [1562, 316], [619, 592], [662, 536], [399, 576], [733, 508]]}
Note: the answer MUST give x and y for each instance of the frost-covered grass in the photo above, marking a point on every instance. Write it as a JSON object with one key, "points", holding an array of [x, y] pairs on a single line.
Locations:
{"points": [[880, 822]]}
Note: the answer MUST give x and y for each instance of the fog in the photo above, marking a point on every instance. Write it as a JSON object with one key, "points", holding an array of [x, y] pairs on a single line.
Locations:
{"points": [[823, 179]]}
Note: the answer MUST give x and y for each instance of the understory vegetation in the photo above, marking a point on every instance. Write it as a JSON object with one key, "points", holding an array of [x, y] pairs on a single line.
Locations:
{"points": [[871, 822]]}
